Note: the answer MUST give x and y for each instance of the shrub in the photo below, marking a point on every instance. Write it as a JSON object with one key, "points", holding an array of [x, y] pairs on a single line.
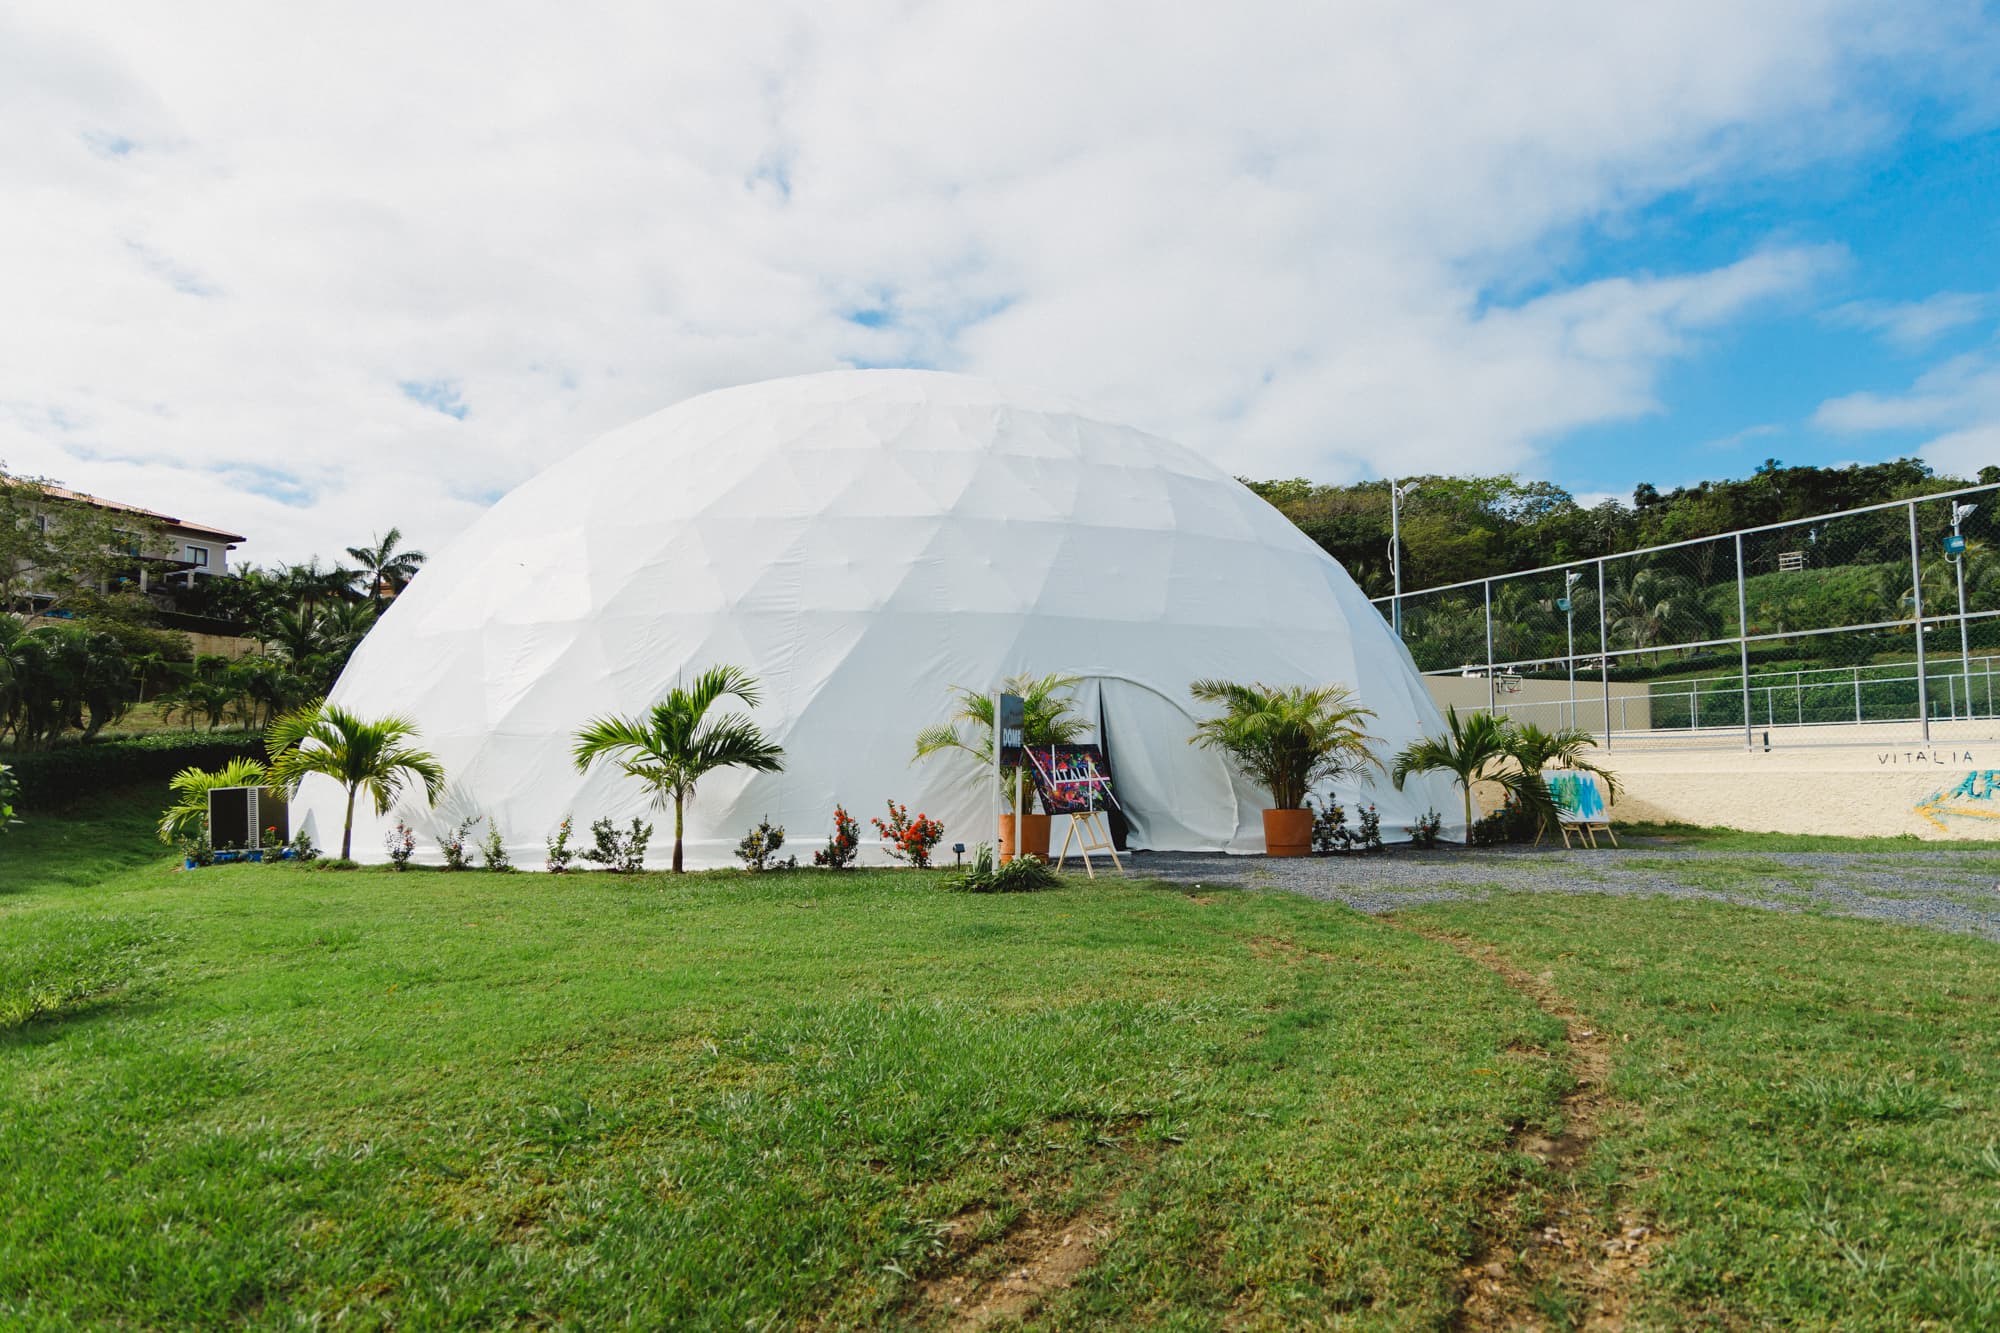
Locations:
{"points": [[402, 844], [493, 849], [1331, 834], [198, 850], [844, 845], [759, 849], [8, 791], [50, 779], [271, 844], [908, 839], [1427, 830], [303, 850], [560, 852], [623, 852], [1023, 874], [452, 845]]}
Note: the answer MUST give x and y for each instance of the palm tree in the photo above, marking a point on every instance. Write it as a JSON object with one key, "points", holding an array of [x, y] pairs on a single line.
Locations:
{"points": [[188, 815], [1286, 739], [383, 564], [1469, 748], [1048, 718], [1532, 749], [674, 746], [354, 752]]}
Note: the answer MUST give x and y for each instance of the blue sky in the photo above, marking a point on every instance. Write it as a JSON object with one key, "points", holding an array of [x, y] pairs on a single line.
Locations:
{"points": [[1911, 221], [304, 273]]}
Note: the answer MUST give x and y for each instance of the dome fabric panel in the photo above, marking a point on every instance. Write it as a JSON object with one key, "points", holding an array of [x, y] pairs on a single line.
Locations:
{"points": [[861, 542]]}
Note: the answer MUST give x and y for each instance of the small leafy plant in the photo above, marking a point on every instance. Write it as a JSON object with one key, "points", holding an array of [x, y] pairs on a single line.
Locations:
{"points": [[759, 849], [845, 844], [1023, 874], [908, 839], [623, 852], [493, 849], [302, 848], [1427, 830], [198, 850], [1371, 829], [560, 852], [1329, 826], [10, 791], [270, 843], [402, 844], [452, 845]]}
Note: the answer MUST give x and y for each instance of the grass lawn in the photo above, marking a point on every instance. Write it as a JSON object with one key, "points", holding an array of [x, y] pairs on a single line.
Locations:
{"points": [[270, 1096]]}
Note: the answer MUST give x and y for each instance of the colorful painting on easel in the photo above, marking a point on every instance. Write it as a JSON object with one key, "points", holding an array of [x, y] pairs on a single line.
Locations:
{"points": [[1071, 779], [1977, 796], [1578, 801]]}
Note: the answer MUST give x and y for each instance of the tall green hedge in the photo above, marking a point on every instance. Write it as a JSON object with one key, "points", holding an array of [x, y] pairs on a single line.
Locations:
{"points": [[54, 778]]}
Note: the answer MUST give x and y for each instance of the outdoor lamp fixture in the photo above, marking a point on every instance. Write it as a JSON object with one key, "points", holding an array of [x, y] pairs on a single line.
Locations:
{"points": [[1396, 494], [958, 851]]}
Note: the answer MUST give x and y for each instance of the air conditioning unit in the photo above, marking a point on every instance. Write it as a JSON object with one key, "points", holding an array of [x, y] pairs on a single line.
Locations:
{"points": [[238, 816]]}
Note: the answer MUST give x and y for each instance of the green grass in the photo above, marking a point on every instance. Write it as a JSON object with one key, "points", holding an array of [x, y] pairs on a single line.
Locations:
{"points": [[1739, 840], [1810, 1104], [267, 1096]]}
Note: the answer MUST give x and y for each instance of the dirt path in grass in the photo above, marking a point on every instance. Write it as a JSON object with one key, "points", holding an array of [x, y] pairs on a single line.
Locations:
{"points": [[1036, 1257], [1549, 1258]]}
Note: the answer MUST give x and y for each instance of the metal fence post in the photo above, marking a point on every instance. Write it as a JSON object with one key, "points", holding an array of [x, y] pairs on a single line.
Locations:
{"points": [[1917, 604], [1743, 641], [1603, 652], [1492, 686]]}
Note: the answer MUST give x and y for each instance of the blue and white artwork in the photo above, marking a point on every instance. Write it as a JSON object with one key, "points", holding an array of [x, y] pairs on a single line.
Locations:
{"points": [[1578, 801]]}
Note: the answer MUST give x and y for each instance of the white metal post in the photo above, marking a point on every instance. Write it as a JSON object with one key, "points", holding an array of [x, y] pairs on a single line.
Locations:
{"points": [[1917, 605], [997, 778], [1958, 512], [1603, 652], [1743, 643], [1492, 686], [1396, 555]]}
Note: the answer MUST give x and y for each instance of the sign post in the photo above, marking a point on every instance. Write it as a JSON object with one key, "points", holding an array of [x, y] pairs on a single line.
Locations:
{"points": [[1010, 721]]}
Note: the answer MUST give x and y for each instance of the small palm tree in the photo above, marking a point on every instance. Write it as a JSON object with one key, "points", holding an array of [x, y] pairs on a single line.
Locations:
{"points": [[1469, 749], [1287, 739], [383, 565], [1532, 749], [356, 753], [675, 745], [188, 815], [1047, 718]]}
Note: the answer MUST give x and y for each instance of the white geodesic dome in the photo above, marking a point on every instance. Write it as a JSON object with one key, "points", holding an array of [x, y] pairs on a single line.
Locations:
{"points": [[860, 542]]}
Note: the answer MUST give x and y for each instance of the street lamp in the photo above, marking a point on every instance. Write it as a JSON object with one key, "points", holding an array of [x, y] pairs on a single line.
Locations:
{"points": [[1396, 494], [1959, 513], [1568, 605]]}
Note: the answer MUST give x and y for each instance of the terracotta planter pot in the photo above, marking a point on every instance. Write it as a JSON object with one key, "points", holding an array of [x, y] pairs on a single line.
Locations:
{"points": [[1034, 837], [1288, 832]]}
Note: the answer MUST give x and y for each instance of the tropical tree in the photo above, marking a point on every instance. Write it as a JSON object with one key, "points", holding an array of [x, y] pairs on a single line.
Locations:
{"points": [[1287, 739], [1533, 750], [384, 564], [1048, 718], [676, 744], [1471, 749], [1648, 608], [55, 677], [357, 753], [188, 815]]}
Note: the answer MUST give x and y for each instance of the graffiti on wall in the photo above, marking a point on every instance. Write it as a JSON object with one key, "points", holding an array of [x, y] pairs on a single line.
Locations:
{"points": [[1977, 796]]}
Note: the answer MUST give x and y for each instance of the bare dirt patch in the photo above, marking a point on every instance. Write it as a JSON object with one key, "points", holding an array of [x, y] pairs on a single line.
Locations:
{"points": [[1035, 1257], [1550, 1258]]}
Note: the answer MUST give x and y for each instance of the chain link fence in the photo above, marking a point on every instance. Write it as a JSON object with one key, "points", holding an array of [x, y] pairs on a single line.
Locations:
{"points": [[1876, 625]]}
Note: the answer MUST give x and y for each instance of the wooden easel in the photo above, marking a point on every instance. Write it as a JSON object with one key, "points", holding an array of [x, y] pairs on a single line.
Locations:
{"points": [[1092, 834], [1088, 828]]}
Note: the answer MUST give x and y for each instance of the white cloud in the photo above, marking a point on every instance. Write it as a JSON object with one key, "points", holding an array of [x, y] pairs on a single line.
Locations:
{"points": [[1914, 325], [1959, 399], [242, 234]]}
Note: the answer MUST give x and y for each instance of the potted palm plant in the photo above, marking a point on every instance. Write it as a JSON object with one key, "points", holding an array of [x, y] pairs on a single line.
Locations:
{"points": [[1287, 739], [1048, 718]]}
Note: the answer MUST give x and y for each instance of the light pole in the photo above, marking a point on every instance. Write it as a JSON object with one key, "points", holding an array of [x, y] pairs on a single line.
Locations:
{"points": [[1959, 513], [1568, 605], [1396, 494]]}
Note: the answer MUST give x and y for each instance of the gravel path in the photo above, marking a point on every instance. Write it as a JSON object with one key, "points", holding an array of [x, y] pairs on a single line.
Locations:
{"points": [[1945, 890]]}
